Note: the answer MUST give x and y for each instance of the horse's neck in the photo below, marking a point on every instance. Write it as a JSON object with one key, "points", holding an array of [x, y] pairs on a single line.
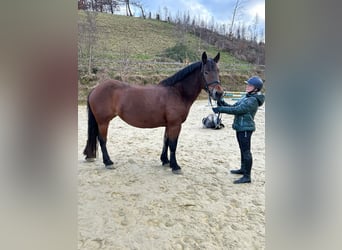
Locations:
{"points": [[190, 88]]}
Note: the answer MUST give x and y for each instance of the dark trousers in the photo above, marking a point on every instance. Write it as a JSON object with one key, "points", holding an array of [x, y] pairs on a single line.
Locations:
{"points": [[244, 140]]}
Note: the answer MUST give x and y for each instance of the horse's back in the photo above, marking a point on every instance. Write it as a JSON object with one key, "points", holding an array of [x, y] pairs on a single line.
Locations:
{"points": [[147, 106], [108, 86], [113, 98]]}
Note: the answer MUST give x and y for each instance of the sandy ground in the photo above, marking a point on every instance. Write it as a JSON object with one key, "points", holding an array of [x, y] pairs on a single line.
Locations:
{"points": [[142, 205]]}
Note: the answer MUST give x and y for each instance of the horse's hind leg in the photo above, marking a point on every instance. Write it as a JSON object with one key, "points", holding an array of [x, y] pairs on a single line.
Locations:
{"points": [[103, 128], [163, 157]]}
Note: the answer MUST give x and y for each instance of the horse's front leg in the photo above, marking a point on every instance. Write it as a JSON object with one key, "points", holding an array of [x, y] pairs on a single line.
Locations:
{"points": [[163, 157], [173, 133]]}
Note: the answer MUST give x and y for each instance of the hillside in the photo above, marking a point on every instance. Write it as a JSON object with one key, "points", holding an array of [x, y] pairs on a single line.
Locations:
{"points": [[144, 51]]}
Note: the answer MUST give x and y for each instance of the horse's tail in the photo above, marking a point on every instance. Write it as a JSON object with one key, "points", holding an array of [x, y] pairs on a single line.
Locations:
{"points": [[93, 132]]}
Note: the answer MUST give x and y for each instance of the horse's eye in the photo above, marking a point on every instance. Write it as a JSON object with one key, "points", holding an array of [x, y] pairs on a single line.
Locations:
{"points": [[206, 72]]}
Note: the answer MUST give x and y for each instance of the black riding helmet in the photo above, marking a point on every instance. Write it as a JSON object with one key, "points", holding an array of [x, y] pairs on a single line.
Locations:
{"points": [[256, 82]]}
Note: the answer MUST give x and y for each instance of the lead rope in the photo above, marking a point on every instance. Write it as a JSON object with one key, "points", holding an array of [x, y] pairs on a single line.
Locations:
{"points": [[209, 98], [219, 114]]}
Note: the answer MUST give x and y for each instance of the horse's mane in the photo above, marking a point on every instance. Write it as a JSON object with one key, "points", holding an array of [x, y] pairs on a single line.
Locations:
{"points": [[172, 80]]}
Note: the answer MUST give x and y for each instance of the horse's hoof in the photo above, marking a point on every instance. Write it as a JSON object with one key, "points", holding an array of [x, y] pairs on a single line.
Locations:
{"points": [[90, 159], [166, 164], [111, 166], [177, 171]]}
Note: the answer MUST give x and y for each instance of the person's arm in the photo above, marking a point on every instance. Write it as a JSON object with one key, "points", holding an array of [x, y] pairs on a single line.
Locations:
{"points": [[242, 108], [221, 102]]}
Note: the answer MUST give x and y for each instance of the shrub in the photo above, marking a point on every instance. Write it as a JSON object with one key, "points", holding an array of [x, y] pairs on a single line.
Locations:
{"points": [[181, 53]]}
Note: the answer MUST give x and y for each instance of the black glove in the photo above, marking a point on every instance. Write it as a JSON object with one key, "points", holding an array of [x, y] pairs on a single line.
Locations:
{"points": [[217, 110], [220, 102]]}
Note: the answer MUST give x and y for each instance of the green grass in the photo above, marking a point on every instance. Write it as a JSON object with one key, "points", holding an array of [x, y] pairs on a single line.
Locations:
{"points": [[130, 48], [145, 39], [134, 36]]}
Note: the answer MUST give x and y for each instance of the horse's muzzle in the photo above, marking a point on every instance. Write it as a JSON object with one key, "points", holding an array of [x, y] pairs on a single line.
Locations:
{"points": [[216, 94]]}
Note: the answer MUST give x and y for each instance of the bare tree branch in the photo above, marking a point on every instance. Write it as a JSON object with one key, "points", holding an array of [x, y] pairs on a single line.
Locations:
{"points": [[237, 8]]}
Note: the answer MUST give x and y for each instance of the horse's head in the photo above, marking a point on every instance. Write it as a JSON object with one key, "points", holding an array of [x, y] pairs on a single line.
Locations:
{"points": [[210, 73]]}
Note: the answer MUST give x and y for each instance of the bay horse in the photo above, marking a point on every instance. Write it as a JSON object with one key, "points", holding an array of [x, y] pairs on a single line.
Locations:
{"points": [[166, 104]]}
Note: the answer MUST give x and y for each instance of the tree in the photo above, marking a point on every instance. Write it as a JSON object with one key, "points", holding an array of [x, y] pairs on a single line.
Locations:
{"points": [[255, 28], [237, 8], [166, 13], [82, 4], [88, 35], [243, 31], [128, 8], [111, 5], [212, 24], [141, 7]]}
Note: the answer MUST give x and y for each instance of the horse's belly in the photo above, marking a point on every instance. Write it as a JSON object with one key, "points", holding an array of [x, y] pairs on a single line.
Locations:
{"points": [[150, 109], [144, 119], [145, 123]]}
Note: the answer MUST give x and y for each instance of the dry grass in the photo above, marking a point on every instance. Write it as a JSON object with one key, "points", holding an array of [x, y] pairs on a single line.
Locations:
{"points": [[131, 49]]}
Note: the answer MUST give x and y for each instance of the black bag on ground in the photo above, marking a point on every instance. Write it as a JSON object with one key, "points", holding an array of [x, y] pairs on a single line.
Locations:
{"points": [[212, 121]]}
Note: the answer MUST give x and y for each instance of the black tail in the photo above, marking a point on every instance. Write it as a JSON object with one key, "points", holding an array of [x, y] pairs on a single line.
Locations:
{"points": [[93, 132]]}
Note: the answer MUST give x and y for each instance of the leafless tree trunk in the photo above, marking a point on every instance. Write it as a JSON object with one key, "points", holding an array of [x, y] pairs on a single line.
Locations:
{"points": [[90, 35], [128, 8], [141, 7], [82, 4], [90, 59], [111, 9], [243, 31], [125, 62], [238, 6], [255, 28], [93, 5]]}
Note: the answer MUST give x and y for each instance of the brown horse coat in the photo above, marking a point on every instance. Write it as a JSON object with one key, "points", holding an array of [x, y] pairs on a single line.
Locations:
{"points": [[164, 105]]}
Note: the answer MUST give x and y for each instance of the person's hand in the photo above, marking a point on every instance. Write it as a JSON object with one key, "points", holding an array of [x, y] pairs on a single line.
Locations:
{"points": [[217, 110], [220, 102]]}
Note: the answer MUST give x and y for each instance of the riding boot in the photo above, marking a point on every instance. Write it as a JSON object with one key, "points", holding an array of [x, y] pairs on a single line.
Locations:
{"points": [[238, 171], [242, 167], [248, 161]]}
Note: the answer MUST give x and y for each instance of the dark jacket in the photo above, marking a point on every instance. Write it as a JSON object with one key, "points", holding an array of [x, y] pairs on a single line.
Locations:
{"points": [[244, 111]]}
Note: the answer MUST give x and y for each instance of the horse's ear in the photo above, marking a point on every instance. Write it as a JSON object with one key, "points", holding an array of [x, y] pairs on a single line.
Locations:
{"points": [[217, 57], [204, 57]]}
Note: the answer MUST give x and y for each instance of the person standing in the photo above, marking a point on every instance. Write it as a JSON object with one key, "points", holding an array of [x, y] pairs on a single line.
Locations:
{"points": [[244, 111]]}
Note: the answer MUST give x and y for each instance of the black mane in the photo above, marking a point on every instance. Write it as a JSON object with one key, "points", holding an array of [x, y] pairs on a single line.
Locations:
{"points": [[172, 80]]}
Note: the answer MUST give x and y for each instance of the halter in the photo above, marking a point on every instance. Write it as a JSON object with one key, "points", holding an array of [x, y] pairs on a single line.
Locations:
{"points": [[207, 84], [206, 88]]}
